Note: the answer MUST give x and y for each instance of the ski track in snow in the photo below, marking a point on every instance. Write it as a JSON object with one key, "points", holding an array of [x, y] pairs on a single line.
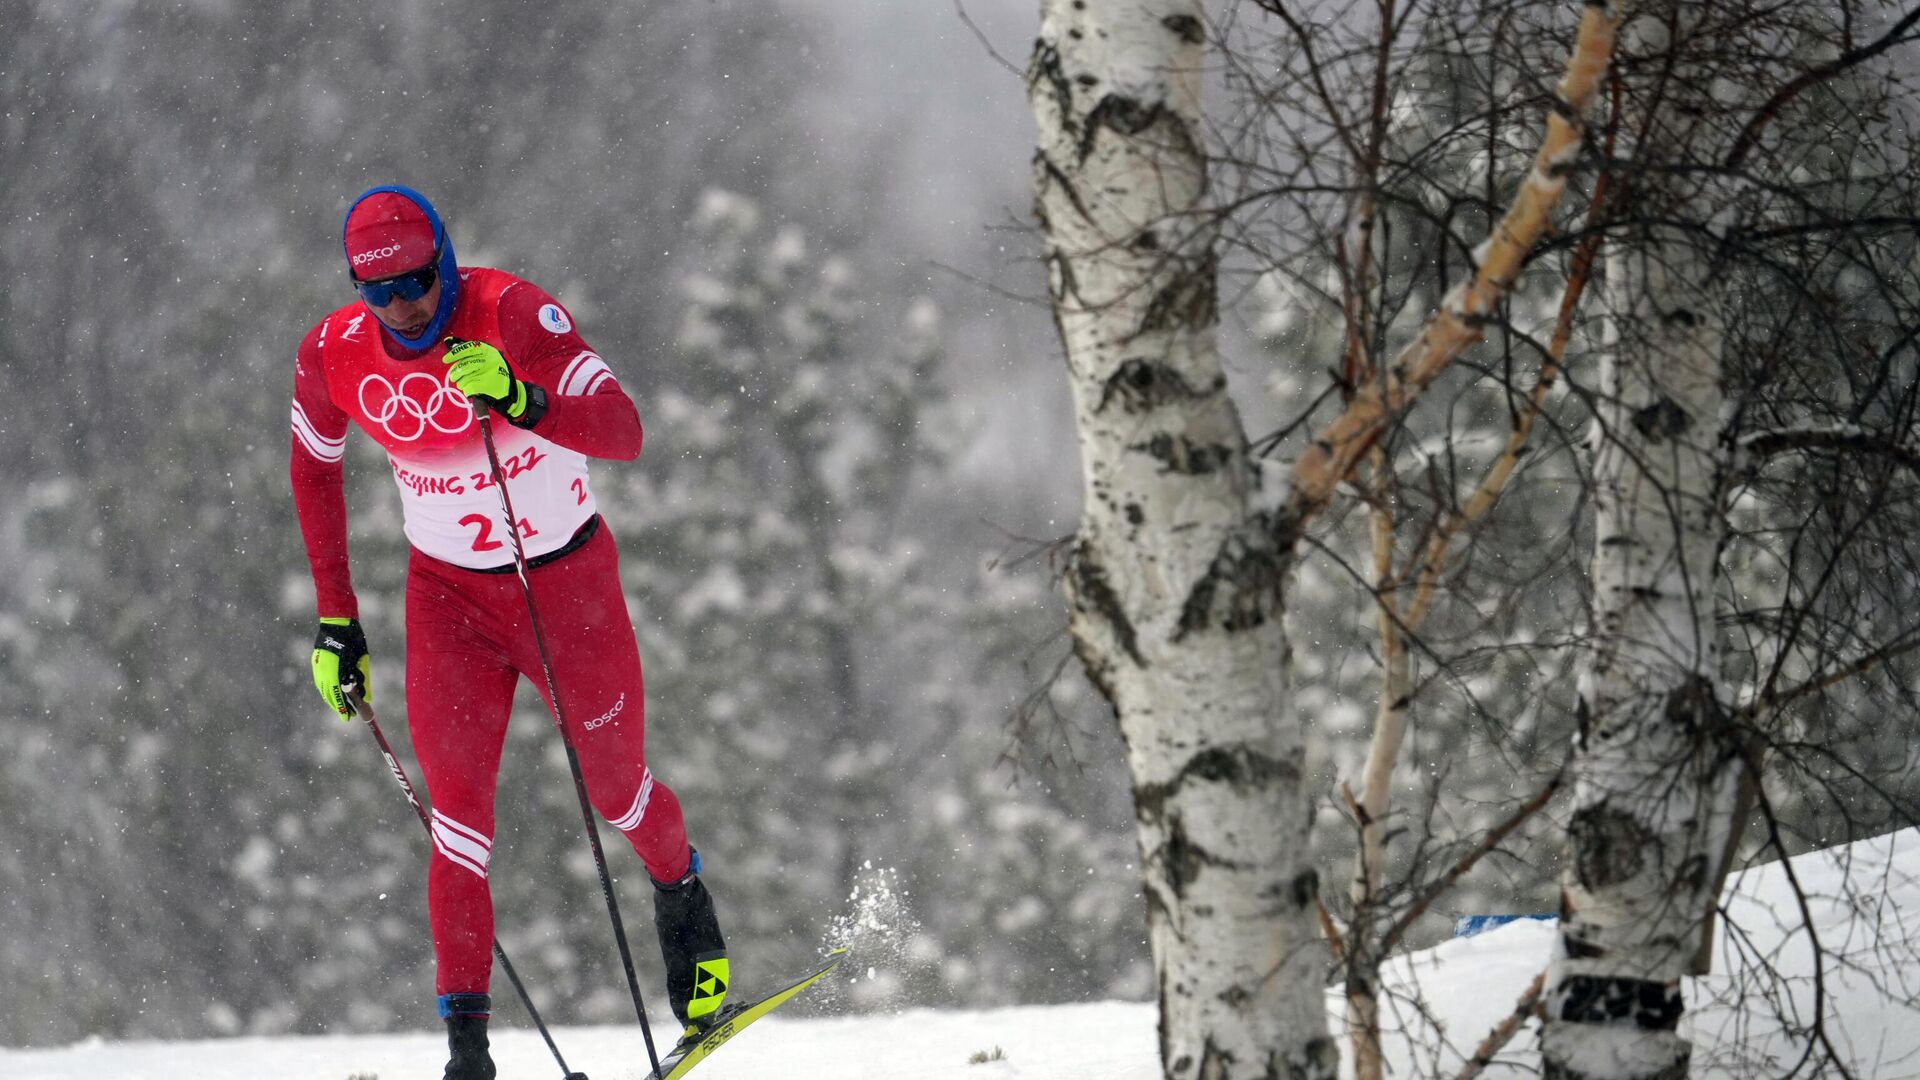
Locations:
{"points": [[1864, 900]]}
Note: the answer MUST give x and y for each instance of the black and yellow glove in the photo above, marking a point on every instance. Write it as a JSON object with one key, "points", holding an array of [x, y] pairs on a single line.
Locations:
{"points": [[340, 664], [479, 371]]}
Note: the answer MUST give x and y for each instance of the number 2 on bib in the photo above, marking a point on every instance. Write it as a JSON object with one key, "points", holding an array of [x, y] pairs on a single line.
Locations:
{"points": [[483, 540]]}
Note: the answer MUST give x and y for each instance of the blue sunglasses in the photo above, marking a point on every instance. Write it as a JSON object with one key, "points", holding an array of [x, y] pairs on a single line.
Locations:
{"points": [[409, 286]]}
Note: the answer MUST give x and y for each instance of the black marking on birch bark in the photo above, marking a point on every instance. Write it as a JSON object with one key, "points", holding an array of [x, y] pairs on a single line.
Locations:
{"points": [[1135, 515], [1609, 847], [1183, 858], [1188, 300], [1611, 1001], [1064, 283], [1695, 709], [1045, 67], [1661, 421], [1214, 1062], [1098, 598], [1320, 1061], [1305, 888], [1056, 177], [1179, 454], [1239, 766], [1235, 764], [1240, 587], [1576, 944], [1099, 669], [1187, 27], [1247, 771], [1156, 904], [1553, 1069], [1141, 384], [1128, 117], [1286, 527], [1119, 112]]}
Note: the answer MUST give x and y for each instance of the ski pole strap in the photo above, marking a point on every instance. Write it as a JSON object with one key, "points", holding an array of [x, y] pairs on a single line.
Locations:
{"points": [[452, 1005]]}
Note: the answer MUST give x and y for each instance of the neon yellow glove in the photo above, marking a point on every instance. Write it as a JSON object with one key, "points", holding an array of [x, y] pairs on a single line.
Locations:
{"points": [[477, 370], [340, 663]]}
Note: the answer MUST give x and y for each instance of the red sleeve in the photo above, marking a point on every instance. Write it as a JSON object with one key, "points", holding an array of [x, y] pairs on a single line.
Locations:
{"points": [[586, 409], [319, 443]]}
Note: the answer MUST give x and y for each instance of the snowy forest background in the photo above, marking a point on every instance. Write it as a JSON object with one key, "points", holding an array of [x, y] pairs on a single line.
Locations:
{"points": [[747, 206], [812, 263]]}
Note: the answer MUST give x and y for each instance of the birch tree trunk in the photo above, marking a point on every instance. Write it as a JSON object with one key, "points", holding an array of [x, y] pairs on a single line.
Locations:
{"points": [[1174, 584], [1657, 762]]}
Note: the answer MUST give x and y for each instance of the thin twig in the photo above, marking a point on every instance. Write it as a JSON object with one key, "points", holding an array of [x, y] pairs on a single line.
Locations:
{"points": [[961, 10], [1765, 114], [1819, 1011], [1781, 698], [1487, 844]]}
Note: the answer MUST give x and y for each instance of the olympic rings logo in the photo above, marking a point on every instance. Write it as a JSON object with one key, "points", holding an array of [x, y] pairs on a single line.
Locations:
{"points": [[407, 411]]}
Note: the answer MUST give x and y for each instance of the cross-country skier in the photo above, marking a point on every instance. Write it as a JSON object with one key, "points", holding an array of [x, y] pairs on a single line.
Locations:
{"points": [[384, 363]]}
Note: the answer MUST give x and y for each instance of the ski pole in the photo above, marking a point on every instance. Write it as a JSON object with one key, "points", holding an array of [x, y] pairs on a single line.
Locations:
{"points": [[365, 710], [560, 724]]}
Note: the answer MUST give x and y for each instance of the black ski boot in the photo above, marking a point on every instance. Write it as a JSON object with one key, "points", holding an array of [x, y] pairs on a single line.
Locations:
{"points": [[467, 1037], [691, 945]]}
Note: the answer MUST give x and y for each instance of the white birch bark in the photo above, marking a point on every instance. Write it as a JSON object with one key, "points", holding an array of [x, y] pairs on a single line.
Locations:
{"points": [[1657, 763], [1176, 580], [1174, 585]]}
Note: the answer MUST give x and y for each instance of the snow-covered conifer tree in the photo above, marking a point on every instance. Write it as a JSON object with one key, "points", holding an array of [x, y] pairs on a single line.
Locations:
{"points": [[794, 632]]}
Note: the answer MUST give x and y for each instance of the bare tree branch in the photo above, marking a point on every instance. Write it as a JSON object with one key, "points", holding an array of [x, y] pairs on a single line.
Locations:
{"points": [[1766, 113], [1463, 314]]}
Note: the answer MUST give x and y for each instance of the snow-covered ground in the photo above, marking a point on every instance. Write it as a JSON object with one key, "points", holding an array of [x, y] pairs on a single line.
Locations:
{"points": [[1109, 1040], [1749, 1020]]}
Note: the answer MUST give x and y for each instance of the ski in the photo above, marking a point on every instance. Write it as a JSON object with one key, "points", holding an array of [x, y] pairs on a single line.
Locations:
{"points": [[734, 1019]]}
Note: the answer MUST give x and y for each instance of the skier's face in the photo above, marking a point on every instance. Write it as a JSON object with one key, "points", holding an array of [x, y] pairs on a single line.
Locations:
{"points": [[409, 317]]}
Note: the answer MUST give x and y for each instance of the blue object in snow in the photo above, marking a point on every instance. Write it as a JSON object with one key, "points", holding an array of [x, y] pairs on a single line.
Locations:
{"points": [[1470, 925]]}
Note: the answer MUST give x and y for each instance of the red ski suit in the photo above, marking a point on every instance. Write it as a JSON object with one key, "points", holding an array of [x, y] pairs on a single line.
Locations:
{"points": [[468, 635]]}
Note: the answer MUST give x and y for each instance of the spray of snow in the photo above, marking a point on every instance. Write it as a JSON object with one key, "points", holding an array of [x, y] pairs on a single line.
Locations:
{"points": [[880, 932]]}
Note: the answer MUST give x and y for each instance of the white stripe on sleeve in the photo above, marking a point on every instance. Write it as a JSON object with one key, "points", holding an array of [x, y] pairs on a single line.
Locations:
{"points": [[318, 445], [582, 373]]}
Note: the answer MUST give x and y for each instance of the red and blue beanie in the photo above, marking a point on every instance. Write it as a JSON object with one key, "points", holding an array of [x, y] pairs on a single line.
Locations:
{"points": [[391, 230]]}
